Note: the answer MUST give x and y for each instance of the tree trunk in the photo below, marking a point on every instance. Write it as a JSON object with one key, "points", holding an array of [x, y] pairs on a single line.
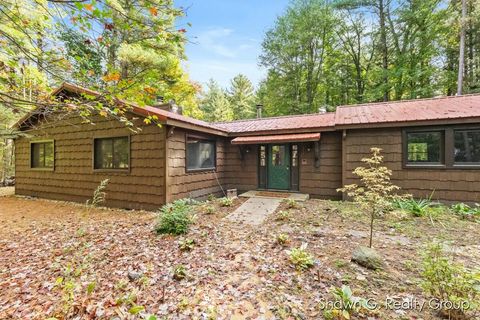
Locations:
{"points": [[4, 160], [471, 47], [461, 57], [372, 217], [384, 48]]}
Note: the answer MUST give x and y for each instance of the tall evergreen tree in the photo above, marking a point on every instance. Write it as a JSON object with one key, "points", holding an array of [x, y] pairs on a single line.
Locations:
{"points": [[241, 95], [214, 104]]}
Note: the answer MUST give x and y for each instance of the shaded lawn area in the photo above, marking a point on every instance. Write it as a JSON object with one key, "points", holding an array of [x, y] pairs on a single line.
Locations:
{"points": [[234, 271]]}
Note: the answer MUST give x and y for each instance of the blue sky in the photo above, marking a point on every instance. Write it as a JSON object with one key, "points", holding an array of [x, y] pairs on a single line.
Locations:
{"points": [[225, 37]]}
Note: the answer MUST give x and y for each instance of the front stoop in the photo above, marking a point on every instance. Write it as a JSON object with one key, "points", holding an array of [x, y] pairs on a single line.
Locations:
{"points": [[275, 195]]}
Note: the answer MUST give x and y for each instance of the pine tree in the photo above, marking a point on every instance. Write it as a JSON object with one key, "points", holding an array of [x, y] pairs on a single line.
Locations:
{"points": [[215, 104], [242, 97]]}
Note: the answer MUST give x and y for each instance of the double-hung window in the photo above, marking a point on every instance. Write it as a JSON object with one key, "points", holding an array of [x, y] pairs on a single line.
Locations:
{"points": [[42, 155]]}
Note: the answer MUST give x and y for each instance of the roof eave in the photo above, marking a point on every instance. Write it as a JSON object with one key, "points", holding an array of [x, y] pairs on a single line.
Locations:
{"points": [[413, 123], [282, 131]]}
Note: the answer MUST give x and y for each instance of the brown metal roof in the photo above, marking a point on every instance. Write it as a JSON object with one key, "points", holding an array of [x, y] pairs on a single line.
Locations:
{"points": [[308, 121], [444, 108], [278, 138], [462, 108], [163, 115]]}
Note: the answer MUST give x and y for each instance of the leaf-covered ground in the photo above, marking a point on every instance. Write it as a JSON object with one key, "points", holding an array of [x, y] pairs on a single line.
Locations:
{"points": [[53, 253]]}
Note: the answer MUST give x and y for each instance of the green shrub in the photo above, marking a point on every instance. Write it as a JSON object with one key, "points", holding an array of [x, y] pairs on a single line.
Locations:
{"points": [[175, 218], [418, 208], [282, 239], [291, 203], [179, 272], [209, 209], [186, 245], [348, 304], [226, 202], [283, 215], [450, 282], [300, 258], [465, 211]]}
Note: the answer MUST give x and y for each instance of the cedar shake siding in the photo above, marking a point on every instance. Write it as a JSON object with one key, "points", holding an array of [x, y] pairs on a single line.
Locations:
{"points": [[447, 184], [197, 184], [241, 174], [73, 177], [158, 170], [322, 182]]}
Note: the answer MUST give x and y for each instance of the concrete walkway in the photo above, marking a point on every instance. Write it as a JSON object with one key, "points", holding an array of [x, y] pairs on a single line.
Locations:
{"points": [[254, 211]]}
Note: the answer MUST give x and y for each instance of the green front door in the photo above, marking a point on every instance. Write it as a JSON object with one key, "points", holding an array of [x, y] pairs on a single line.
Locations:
{"points": [[278, 166]]}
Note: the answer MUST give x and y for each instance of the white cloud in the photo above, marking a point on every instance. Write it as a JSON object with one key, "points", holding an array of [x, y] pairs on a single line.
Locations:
{"points": [[211, 40]]}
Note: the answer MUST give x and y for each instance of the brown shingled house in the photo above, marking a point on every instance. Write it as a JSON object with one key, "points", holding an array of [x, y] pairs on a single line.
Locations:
{"points": [[430, 144]]}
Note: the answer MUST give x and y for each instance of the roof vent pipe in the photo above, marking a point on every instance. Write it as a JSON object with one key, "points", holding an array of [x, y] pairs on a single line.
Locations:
{"points": [[259, 111], [174, 107]]}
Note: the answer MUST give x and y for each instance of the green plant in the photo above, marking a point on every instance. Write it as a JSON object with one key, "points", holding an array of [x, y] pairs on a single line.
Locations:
{"points": [[99, 194], [183, 304], [129, 300], [186, 245], [347, 304], [340, 263], [465, 211], [179, 272], [450, 283], [209, 209], [174, 218], [282, 238], [376, 193], [291, 203], [226, 202], [283, 215], [300, 258], [418, 208], [70, 285], [211, 197]]}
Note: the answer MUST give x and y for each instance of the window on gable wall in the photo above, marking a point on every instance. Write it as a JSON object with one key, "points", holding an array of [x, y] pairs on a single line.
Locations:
{"points": [[42, 155]]}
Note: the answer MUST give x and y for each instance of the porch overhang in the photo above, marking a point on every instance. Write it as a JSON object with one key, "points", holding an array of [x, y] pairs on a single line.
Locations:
{"points": [[277, 138]]}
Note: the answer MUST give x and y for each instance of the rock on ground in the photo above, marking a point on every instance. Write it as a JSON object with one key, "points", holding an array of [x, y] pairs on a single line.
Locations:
{"points": [[367, 257]]}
